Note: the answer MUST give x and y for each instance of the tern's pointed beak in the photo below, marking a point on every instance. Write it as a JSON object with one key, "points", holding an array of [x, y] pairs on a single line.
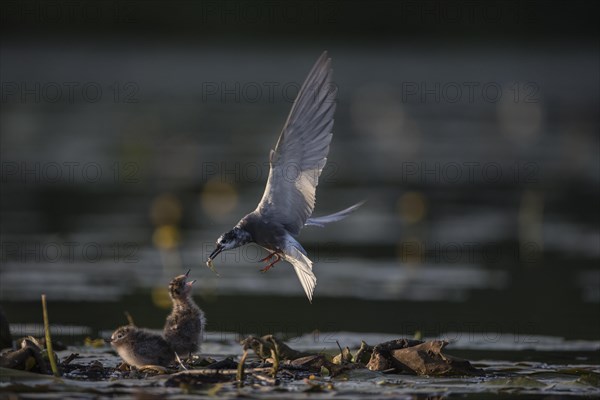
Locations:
{"points": [[109, 340], [216, 252], [190, 283], [188, 273]]}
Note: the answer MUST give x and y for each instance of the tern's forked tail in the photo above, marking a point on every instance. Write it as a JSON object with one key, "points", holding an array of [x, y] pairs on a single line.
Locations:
{"points": [[324, 220]]}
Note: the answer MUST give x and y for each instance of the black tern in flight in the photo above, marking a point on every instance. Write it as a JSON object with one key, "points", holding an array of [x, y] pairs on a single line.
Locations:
{"points": [[296, 164]]}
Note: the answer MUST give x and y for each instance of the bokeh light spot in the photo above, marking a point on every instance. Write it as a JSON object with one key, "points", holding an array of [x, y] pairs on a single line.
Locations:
{"points": [[412, 207], [160, 297], [166, 210], [218, 198], [166, 237]]}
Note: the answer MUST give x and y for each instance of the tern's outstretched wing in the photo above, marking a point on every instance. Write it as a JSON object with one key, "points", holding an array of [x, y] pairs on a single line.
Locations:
{"points": [[301, 151]]}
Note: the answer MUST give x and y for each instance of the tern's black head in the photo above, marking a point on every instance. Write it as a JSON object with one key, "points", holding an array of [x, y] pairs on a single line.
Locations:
{"points": [[230, 240]]}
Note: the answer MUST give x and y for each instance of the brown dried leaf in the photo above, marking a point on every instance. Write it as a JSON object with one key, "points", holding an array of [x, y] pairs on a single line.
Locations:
{"points": [[421, 358]]}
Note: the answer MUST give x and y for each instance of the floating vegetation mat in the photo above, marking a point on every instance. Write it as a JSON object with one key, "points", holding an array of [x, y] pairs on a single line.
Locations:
{"points": [[271, 368]]}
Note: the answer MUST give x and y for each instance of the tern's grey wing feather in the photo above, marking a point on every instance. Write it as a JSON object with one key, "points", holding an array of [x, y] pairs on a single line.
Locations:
{"points": [[301, 151], [295, 254], [326, 219]]}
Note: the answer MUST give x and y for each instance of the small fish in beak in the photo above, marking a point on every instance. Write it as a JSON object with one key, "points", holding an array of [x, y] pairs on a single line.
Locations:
{"points": [[211, 266]]}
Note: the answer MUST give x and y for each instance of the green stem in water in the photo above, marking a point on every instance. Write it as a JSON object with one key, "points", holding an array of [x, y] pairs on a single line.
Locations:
{"points": [[275, 356], [48, 338], [240, 369]]}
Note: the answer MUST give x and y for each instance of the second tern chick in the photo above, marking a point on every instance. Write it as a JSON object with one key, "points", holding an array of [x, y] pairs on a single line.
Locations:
{"points": [[139, 347]]}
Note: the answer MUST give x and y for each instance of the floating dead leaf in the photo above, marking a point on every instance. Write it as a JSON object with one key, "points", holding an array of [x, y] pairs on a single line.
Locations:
{"points": [[313, 362], [382, 359], [30, 357], [420, 358]]}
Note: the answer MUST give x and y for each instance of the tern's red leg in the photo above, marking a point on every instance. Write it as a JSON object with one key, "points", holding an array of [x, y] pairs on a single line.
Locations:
{"points": [[267, 257], [268, 267]]}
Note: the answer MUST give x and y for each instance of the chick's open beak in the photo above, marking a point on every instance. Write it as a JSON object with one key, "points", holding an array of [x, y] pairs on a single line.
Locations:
{"points": [[216, 252]]}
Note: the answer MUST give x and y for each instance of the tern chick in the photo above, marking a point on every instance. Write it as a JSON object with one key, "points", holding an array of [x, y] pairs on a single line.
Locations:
{"points": [[289, 197], [184, 328], [139, 347]]}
